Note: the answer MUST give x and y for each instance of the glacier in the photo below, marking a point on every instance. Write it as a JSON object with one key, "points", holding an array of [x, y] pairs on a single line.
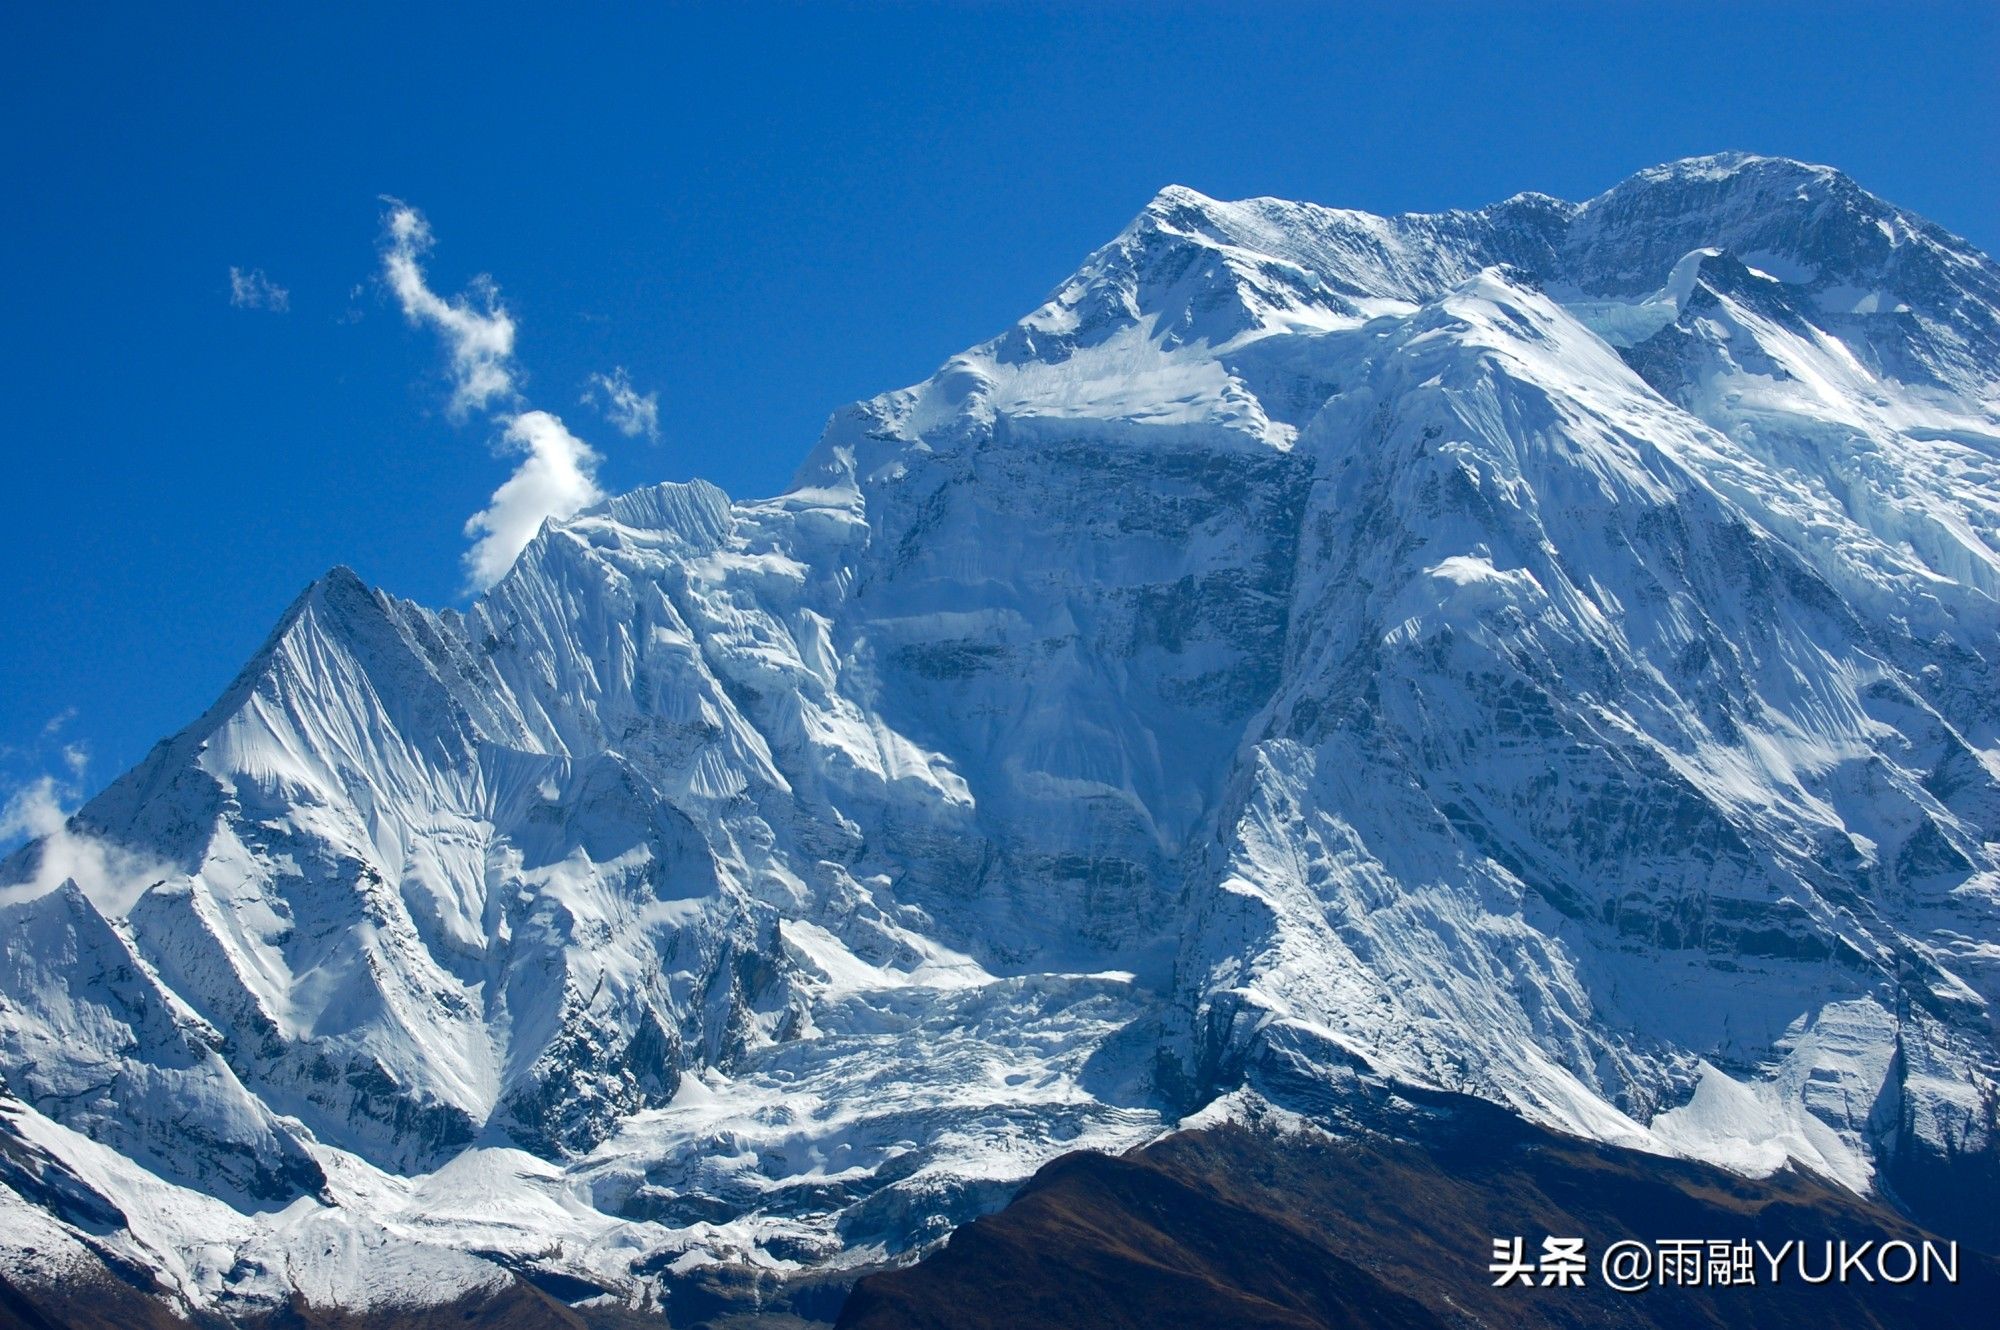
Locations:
{"points": [[1546, 653]]}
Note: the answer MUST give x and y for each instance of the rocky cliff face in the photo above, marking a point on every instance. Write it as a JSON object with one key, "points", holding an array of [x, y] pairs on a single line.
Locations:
{"points": [[1545, 653]]}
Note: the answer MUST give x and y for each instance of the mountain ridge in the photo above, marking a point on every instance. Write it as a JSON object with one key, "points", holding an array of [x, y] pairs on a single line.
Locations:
{"points": [[1544, 652]]}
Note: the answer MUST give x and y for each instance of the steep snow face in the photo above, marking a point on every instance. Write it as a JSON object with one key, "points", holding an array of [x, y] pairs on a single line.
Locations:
{"points": [[1546, 652], [1583, 784]]}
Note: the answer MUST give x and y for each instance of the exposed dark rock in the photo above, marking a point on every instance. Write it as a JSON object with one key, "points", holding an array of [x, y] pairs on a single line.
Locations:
{"points": [[1250, 1229]]}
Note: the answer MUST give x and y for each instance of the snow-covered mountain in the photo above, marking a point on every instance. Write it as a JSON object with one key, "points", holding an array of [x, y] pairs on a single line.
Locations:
{"points": [[1549, 652]]}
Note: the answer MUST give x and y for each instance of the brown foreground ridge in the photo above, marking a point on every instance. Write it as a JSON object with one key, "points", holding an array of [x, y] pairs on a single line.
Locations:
{"points": [[1250, 1228]]}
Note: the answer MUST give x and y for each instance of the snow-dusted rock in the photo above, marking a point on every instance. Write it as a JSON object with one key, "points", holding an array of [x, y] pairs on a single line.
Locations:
{"points": [[1546, 652]]}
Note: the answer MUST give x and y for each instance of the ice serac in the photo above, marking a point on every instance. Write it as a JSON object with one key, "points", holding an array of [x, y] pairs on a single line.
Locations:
{"points": [[1545, 652]]}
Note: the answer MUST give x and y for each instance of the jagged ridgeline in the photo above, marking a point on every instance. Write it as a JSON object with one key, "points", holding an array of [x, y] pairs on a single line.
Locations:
{"points": [[1544, 653]]}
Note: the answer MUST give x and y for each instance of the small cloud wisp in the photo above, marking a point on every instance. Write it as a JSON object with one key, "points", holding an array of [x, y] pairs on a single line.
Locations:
{"points": [[478, 332], [112, 876], [630, 412], [556, 478], [249, 288]]}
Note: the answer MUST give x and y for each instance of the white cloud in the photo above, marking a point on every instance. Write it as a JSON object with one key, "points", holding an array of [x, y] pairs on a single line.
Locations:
{"points": [[353, 313], [630, 412], [249, 288], [556, 478], [111, 875], [478, 331]]}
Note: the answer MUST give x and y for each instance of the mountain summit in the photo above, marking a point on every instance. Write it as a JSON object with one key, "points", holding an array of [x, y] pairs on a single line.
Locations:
{"points": [[1545, 653]]}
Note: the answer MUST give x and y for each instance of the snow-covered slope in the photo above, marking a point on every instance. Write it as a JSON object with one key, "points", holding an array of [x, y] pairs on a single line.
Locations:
{"points": [[1546, 652]]}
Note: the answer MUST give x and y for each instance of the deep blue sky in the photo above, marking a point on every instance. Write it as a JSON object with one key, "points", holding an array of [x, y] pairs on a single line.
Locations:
{"points": [[762, 214]]}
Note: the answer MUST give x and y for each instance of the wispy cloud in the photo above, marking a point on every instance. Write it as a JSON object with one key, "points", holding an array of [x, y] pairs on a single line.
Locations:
{"points": [[630, 412], [478, 331], [39, 811], [557, 475], [249, 288]]}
